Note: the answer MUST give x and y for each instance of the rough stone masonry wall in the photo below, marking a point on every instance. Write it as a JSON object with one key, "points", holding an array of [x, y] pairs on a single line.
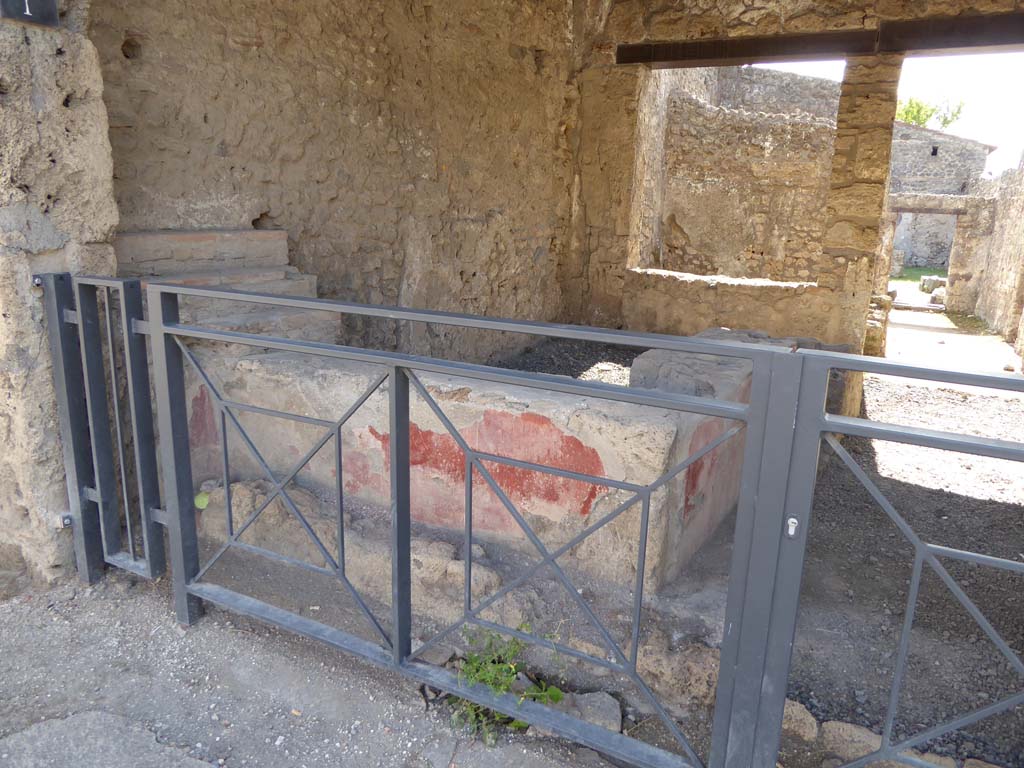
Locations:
{"points": [[930, 161], [413, 151], [57, 212], [744, 192], [925, 161], [777, 93], [925, 239], [618, 178], [1000, 300], [652, 153]]}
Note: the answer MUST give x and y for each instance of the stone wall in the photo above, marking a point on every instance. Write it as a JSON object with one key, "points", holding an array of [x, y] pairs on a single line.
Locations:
{"points": [[616, 182], [853, 241], [414, 153], [924, 160], [766, 171], [769, 91], [744, 192], [1000, 299], [663, 301], [926, 239], [57, 213]]}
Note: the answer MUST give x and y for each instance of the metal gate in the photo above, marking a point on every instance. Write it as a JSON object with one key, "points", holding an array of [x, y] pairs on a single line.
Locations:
{"points": [[104, 348]]}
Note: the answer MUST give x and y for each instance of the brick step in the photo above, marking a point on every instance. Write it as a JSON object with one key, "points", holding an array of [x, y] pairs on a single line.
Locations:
{"points": [[287, 322], [225, 277], [178, 251], [293, 284]]}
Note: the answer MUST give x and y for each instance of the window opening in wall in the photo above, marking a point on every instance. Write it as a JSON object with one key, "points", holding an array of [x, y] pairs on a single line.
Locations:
{"points": [[739, 172], [935, 151]]}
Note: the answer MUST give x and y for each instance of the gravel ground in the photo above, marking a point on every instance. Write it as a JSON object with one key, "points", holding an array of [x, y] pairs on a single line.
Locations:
{"points": [[859, 566], [225, 692]]}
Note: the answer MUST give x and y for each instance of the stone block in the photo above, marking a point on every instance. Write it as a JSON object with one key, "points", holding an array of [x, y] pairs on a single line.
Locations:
{"points": [[799, 723], [137, 252], [598, 708], [662, 301], [613, 440], [930, 283], [863, 202], [849, 742], [712, 485]]}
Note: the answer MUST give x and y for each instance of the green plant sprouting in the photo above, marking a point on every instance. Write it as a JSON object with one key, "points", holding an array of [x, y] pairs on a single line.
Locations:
{"points": [[495, 662]]}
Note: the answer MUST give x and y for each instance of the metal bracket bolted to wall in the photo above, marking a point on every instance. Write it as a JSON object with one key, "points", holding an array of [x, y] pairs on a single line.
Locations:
{"points": [[158, 516]]}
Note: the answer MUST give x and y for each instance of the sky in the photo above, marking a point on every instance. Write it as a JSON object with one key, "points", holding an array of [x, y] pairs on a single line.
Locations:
{"points": [[988, 84]]}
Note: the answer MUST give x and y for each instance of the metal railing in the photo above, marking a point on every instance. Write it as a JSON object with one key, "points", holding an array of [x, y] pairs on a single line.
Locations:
{"points": [[782, 425]]}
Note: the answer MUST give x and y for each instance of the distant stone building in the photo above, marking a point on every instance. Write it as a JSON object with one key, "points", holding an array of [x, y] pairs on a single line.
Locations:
{"points": [[931, 162]]}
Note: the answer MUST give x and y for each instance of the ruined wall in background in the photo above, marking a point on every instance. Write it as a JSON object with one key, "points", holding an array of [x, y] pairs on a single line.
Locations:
{"points": [[859, 184], [744, 192], [926, 239], [616, 181], [57, 213], [925, 160], [1000, 298], [753, 89], [415, 153]]}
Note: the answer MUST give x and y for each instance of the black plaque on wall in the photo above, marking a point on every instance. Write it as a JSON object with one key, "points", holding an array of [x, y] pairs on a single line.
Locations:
{"points": [[42, 12]]}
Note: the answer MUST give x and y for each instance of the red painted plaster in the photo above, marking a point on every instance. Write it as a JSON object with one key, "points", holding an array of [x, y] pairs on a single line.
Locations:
{"points": [[438, 470]]}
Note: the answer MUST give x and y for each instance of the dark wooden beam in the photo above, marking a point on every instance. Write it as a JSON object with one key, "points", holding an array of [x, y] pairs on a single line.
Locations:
{"points": [[962, 34], [733, 51], [932, 36]]}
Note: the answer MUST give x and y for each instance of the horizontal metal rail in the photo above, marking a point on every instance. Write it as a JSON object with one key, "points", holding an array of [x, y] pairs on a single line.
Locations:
{"points": [[843, 362], [543, 381], [550, 330], [927, 438]]}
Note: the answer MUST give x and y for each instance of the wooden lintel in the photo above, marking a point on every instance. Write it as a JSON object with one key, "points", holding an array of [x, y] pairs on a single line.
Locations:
{"points": [[960, 34]]}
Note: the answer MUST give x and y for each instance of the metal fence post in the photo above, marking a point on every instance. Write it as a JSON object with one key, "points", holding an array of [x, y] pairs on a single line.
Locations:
{"points": [[763, 528], [97, 410], [401, 523], [801, 478], [141, 404], [69, 387], [169, 372]]}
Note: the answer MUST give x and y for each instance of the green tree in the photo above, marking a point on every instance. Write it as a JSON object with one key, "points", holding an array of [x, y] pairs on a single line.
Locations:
{"points": [[918, 112]]}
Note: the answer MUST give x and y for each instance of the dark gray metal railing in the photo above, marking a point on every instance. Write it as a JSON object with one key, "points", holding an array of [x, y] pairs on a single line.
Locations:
{"points": [[783, 425]]}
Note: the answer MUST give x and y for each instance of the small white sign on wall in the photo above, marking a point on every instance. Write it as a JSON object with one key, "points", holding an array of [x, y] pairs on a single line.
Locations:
{"points": [[42, 12]]}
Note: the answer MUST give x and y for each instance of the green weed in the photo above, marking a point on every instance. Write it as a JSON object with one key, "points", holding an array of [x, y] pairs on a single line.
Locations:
{"points": [[494, 661]]}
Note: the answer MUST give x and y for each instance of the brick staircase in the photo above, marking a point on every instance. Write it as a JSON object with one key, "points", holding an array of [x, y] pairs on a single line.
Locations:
{"points": [[245, 260]]}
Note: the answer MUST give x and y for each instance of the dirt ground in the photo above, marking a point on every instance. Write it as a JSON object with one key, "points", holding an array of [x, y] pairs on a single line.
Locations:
{"points": [[102, 677]]}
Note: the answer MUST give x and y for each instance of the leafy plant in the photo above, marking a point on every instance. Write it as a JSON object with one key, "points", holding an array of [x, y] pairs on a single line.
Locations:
{"points": [[542, 693], [918, 112], [494, 662]]}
